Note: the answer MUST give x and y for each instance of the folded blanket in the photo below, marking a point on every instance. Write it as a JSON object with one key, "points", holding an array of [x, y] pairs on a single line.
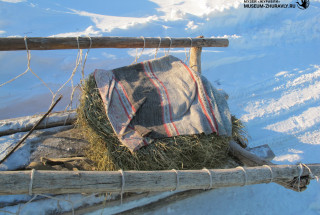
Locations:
{"points": [[161, 98]]}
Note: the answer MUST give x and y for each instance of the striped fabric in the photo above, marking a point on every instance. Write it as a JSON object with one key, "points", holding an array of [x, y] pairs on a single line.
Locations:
{"points": [[161, 98]]}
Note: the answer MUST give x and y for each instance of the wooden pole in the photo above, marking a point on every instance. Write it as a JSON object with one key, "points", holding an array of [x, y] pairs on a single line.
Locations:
{"points": [[32, 129], [195, 57], [60, 182], [23, 124], [51, 43]]}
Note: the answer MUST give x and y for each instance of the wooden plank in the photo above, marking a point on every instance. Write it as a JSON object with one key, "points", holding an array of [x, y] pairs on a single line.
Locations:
{"points": [[195, 57], [22, 124], [18, 182], [246, 157], [51, 43]]}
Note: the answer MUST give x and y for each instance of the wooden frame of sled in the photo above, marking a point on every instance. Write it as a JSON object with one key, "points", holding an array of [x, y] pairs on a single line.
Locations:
{"points": [[62, 182], [255, 174]]}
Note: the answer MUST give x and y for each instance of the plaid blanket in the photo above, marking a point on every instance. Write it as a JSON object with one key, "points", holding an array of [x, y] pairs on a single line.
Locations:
{"points": [[161, 98]]}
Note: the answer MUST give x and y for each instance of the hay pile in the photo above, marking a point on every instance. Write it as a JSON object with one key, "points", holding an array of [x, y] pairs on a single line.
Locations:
{"points": [[181, 152]]}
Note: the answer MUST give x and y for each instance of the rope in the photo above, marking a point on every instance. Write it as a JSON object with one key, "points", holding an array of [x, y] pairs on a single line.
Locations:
{"points": [[137, 57], [29, 68], [13, 79], [155, 56], [8, 212], [46, 121], [85, 58], [69, 200], [32, 174], [312, 176], [177, 179], [78, 61], [20, 208], [58, 199], [245, 175], [300, 174], [65, 121], [271, 179], [189, 50], [74, 202], [210, 177], [104, 203], [122, 183], [31, 181], [166, 54], [72, 86]]}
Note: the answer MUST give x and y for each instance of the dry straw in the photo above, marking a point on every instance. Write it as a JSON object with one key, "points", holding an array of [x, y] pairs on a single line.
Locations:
{"points": [[181, 152]]}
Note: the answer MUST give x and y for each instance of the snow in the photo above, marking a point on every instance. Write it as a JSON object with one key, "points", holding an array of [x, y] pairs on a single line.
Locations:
{"points": [[45, 204], [20, 157], [34, 145], [271, 71], [255, 199], [133, 204]]}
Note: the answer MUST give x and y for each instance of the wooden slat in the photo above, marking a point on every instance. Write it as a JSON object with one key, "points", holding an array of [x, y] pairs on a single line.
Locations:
{"points": [[22, 124], [51, 43], [195, 58], [59, 182]]}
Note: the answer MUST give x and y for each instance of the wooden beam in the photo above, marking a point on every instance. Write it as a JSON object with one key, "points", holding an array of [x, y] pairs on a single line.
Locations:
{"points": [[22, 124], [195, 57], [59, 182], [51, 43]]}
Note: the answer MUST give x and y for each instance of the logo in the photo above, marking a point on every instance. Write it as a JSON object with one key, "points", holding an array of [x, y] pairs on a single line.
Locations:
{"points": [[304, 4]]}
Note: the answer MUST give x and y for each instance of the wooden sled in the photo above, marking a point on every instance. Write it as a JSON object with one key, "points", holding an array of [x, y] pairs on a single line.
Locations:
{"points": [[57, 132], [66, 146]]}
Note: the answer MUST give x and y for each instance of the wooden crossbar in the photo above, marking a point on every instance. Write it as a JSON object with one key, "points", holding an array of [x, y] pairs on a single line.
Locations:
{"points": [[52, 43]]}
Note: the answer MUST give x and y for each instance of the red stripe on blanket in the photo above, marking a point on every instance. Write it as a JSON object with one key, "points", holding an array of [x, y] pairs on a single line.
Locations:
{"points": [[201, 102], [159, 92], [124, 108], [165, 89], [125, 93], [145, 142]]}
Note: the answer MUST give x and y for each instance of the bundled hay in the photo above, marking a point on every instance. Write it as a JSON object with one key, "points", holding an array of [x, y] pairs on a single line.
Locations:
{"points": [[181, 152]]}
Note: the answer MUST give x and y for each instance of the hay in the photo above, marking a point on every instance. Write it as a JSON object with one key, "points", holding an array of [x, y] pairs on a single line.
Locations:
{"points": [[181, 152]]}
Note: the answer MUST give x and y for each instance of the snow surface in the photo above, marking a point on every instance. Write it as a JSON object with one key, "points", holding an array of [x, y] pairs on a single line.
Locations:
{"points": [[271, 71]]}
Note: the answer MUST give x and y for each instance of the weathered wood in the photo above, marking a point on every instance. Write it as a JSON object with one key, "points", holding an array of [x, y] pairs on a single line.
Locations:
{"points": [[22, 124], [195, 57], [57, 142], [18, 182], [250, 160], [51, 43], [246, 157]]}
